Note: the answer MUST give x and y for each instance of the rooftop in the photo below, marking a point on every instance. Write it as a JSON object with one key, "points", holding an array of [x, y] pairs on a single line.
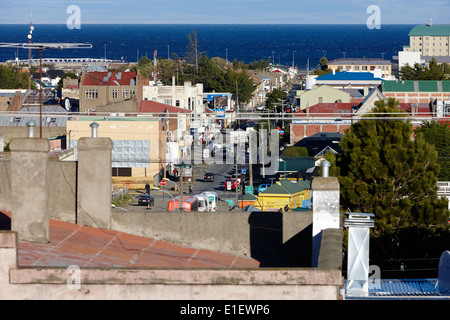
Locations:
{"points": [[148, 106], [359, 61], [72, 244], [109, 79], [287, 187], [430, 30], [415, 86], [348, 76]]}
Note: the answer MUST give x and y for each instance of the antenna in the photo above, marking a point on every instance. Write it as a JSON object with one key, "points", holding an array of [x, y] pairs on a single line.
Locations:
{"points": [[40, 47]]}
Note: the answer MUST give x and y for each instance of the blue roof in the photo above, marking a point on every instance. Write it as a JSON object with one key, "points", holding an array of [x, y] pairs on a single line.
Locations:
{"points": [[345, 75], [405, 288]]}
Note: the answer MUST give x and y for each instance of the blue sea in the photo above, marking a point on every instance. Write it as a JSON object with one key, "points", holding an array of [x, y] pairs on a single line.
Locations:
{"points": [[285, 44]]}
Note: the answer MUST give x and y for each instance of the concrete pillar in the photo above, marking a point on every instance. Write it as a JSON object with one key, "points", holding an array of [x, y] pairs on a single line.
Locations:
{"points": [[94, 182], [325, 204], [29, 189]]}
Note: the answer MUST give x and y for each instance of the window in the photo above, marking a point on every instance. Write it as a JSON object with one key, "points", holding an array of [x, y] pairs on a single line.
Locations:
{"points": [[132, 92], [91, 94], [124, 93], [169, 102], [115, 93], [364, 68], [177, 103], [356, 68], [121, 172]]}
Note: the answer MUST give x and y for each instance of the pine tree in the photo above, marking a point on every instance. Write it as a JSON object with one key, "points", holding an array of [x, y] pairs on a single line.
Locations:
{"points": [[384, 171]]}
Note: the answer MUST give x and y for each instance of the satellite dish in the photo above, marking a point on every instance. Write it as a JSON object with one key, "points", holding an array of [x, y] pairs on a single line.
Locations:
{"points": [[444, 273], [67, 104]]}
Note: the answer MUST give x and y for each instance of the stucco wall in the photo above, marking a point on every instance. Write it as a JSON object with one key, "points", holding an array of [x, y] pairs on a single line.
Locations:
{"points": [[284, 237], [157, 284]]}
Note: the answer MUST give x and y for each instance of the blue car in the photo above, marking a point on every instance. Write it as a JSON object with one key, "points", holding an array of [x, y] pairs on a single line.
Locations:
{"points": [[263, 187]]}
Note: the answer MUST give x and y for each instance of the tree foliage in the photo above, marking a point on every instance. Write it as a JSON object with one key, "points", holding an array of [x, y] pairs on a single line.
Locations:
{"points": [[274, 97], [434, 71], [384, 171], [11, 77], [438, 135]]}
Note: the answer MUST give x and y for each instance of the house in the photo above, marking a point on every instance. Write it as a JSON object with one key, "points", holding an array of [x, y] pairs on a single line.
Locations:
{"points": [[107, 88], [318, 144], [50, 78], [320, 94], [345, 79], [362, 65], [322, 118], [284, 195], [187, 96]]}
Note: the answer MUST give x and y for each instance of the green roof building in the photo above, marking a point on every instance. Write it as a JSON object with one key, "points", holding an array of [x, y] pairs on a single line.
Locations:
{"points": [[430, 40]]}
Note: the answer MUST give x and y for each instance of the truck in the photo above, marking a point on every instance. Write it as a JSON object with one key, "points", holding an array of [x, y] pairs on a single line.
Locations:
{"points": [[207, 201]]}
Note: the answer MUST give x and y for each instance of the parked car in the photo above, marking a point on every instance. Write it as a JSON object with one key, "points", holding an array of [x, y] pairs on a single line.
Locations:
{"points": [[263, 187], [145, 200], [230, 184], [209, 176]]}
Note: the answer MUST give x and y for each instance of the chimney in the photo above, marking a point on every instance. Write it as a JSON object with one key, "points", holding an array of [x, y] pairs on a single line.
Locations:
{"points": [[326, 214], [358, 225]]}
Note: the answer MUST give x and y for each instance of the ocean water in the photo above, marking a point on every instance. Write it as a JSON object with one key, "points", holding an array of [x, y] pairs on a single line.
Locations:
{"points": [[285, 44]]}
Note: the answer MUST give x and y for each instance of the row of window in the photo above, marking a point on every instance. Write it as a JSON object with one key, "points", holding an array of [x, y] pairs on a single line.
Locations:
{"points": [[364, 68], [93, 93], [428, 38]]}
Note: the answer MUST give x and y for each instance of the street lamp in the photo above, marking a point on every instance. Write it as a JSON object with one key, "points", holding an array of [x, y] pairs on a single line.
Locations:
{"points": [[284, 161], [181, 195]]}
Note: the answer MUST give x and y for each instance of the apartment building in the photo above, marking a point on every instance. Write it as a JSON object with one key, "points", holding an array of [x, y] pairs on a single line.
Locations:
{"points": [[429, 40], [362, 65]]}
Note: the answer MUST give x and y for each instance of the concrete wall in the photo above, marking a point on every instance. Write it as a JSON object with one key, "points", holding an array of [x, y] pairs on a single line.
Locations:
{"points": [[5, 186], [62, 189], [273, 236], [157, 284]]}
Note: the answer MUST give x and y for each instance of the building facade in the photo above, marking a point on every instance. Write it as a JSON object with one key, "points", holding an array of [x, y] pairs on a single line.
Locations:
{"points": [[105, 88], [362, 65], [430, 40], [187, 96]]}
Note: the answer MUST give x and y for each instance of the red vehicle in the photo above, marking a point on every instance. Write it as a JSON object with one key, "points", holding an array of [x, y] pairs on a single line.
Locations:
{"points": [[230, 184], [189, 204]]}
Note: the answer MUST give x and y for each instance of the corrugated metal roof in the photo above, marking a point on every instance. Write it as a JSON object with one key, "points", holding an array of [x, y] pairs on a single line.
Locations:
{"points": [[404, 288], [21, 120], [416, 86], [348, 76]]}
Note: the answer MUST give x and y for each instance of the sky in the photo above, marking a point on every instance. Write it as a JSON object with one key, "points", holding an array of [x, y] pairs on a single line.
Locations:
{"points": [[224, 11]]}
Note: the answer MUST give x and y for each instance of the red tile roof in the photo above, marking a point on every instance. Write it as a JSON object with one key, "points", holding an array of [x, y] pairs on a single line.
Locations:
{"points": [[148, 106], [328, 109], [109, 78], [72, 244]]}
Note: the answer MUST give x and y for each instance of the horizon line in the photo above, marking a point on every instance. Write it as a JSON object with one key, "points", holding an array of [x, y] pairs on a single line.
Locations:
{"points": [[191, 23]]}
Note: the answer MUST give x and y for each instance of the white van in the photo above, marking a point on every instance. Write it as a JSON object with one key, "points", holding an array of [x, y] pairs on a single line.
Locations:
{"points": [[208, 201]]}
